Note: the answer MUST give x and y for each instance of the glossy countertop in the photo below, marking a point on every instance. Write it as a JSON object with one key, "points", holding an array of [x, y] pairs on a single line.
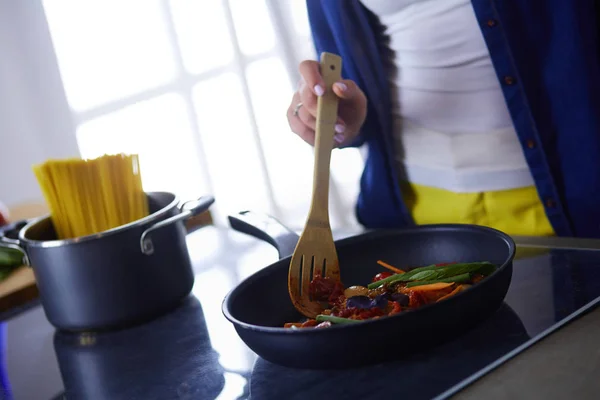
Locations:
{"points": [[193, 352]]}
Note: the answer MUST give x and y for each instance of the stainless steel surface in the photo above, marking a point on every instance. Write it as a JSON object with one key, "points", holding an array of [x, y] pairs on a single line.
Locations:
{"points": [[557, 242], [565, 365]]}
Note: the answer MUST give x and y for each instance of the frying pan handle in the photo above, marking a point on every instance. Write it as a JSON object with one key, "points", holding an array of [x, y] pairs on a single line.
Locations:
{"points": [[266, 228]]}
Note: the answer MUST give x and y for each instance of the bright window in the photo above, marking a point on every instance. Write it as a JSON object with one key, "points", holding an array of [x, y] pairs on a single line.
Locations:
{"points": [[199, 89]]}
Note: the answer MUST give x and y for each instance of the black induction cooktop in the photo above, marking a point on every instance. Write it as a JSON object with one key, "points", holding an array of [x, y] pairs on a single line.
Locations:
{"points": [[550, 287], [193, 352]]}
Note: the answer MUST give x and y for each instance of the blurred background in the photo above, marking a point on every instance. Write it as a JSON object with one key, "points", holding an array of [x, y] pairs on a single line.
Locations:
{"points": [[198, 88]]}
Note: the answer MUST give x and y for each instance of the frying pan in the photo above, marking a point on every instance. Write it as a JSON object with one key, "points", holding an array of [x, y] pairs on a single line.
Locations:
{"points": [[259, 306]]}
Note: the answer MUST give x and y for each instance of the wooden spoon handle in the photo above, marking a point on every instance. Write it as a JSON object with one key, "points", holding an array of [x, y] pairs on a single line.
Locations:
{"points": [[327, 106]]}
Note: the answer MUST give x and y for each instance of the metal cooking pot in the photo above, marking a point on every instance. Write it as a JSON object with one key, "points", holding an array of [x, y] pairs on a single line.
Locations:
{"points": [[116, 278]]}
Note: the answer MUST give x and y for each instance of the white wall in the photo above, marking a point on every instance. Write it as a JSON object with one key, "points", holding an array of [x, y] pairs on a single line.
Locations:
{"points": [[35, 119]]}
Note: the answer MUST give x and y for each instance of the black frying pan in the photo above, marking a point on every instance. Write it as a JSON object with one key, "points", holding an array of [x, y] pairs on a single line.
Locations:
{"points": [[260, 305]]}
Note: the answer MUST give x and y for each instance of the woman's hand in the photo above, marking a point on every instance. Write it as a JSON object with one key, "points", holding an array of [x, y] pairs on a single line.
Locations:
{"points": [[352, 108]]}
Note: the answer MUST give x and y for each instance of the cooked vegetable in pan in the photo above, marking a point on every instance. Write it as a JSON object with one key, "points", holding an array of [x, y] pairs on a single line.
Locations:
{"points": [[391, 293]]}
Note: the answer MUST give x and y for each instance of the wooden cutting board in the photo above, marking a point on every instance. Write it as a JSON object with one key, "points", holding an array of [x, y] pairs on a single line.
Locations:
{"points": [[17, 289]]}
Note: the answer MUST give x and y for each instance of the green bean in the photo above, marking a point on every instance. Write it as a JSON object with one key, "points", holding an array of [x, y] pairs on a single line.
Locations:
{"points": [[433, 273], [453, 270], [455, 279], [336, 320], [408, 274]]}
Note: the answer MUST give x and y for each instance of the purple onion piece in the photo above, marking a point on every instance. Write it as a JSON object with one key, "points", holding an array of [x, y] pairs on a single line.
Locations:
{"points": [[361, 302], [380, 301], [366, 303], [400, 298]]}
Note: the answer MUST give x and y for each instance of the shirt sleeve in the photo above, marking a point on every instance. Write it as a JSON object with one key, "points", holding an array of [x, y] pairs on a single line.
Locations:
{"points": [[327, 33]]}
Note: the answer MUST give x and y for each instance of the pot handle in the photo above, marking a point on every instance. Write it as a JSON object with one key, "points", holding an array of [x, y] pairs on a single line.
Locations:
{"points": [[202, 204], [14, 244], [266, 228]]}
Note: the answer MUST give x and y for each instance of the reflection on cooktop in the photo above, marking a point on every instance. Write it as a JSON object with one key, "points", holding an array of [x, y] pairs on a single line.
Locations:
{"points": [[547, 286], [106, 366], [421, 376]]}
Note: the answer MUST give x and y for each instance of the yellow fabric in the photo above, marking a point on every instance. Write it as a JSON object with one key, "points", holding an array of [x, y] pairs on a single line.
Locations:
{"points": [[515, 211]]}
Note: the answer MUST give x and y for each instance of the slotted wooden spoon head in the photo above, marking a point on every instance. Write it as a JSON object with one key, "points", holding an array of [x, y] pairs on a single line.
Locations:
{"points": [[315, 253]]}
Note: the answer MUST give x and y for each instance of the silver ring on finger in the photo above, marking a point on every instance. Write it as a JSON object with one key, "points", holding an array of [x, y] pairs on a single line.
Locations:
{"points": [[297, 109]]}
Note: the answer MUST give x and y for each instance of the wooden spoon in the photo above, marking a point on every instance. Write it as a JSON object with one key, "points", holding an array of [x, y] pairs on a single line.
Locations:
{"points": [[315, 253]]}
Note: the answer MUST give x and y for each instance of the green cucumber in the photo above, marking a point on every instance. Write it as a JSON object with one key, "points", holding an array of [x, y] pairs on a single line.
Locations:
{"points": [[10, 257]]}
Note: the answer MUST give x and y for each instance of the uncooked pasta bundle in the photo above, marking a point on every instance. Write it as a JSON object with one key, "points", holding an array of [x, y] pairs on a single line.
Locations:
{"points": [[91, 196]]}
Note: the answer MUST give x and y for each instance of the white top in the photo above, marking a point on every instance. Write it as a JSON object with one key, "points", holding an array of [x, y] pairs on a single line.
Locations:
{"points": [[452, 126]]}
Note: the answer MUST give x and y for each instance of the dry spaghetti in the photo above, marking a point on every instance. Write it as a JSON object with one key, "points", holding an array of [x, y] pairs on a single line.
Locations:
{"points": [[91, 196]]}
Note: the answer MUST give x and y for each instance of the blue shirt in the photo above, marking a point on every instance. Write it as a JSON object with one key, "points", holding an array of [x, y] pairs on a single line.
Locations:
{"points": [[545, 53]]}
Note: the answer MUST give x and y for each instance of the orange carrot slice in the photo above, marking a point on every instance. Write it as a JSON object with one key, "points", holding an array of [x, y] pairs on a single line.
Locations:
{"points": [[452, 293], [432, 287], [390, 267]]}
